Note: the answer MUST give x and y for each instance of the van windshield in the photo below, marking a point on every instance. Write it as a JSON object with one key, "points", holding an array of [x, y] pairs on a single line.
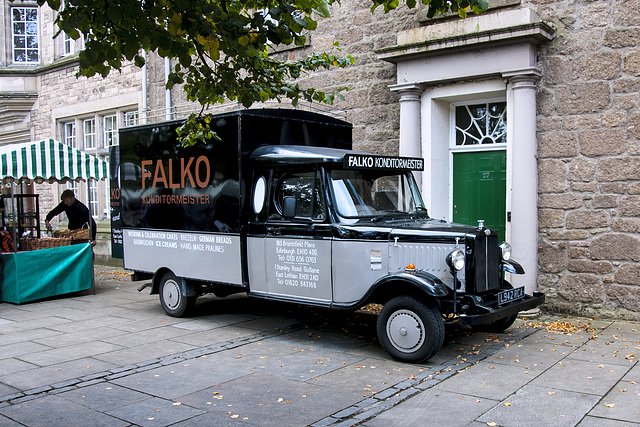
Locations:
{"points": [[375, 193]]}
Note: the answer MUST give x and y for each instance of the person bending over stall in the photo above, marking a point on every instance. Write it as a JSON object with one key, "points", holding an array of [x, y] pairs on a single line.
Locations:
{"points": [[77, 213]]}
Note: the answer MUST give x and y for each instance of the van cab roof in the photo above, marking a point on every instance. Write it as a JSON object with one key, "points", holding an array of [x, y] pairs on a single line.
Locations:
{"points": [[297, 155]]}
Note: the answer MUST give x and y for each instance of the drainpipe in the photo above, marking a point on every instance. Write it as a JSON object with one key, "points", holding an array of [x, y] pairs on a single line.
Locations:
{"points": [[167, 93], [143, 115]]}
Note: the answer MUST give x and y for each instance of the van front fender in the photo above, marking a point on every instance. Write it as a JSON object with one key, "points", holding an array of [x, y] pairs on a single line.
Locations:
{"points": [[513, 267], [426, 282]]}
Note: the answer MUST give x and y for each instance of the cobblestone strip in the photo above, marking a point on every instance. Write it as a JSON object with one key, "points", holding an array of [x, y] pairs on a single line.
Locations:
{"points": [[146, 365], [394, 395]]}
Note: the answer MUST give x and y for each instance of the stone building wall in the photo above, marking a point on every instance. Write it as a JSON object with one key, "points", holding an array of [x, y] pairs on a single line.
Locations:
{"points": [[588, 136], [61, 88], [369, 104], [371, 107], [589, 158]]}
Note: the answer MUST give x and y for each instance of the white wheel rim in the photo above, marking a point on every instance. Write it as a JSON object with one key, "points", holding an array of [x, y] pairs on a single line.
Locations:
{"points": [[406, 331], [171, 294]]}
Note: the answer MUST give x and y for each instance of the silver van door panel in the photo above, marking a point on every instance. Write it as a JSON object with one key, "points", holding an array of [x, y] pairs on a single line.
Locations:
{"points": [[206, 256], [356, 266], [290, 267]]}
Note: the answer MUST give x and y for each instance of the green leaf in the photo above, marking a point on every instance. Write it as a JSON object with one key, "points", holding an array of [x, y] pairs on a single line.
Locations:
{"points": [[323, 9], [139, 61]]}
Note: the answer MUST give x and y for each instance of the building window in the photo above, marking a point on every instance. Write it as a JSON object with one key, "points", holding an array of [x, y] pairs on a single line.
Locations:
{"points": [[480, 124], [110, 131], [73, 186], [130, 118], [89, 133], [70, 134], [69, 45], [92, 189], [24, 34]]}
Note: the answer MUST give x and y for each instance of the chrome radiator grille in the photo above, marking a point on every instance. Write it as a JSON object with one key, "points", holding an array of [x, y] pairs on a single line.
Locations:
{"points": [[486, 262], [429, 257]]}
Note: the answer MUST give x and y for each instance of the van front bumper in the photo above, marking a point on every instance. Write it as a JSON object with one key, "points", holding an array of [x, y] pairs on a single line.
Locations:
{"points": [[484, 315]]}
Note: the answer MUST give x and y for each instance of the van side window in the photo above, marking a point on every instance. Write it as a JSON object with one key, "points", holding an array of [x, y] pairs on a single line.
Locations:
{"points": [[306, 187]]}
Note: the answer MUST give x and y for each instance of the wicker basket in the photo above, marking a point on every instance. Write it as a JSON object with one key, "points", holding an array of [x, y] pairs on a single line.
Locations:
{"points": [[81, 234], [44, 243]]}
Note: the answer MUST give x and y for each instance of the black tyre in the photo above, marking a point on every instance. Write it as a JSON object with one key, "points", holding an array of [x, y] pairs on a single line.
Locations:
{"points": [[503, 324], [410, 330], [499, 325], [173, 301]]}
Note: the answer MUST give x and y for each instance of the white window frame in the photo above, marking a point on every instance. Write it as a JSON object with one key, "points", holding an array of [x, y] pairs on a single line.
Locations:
{"points": [[473, 147], [89, 136], [92, 190], [70, 133], [25, 36], [73, 186], [110, 130], [68, 45], [131, 118]]}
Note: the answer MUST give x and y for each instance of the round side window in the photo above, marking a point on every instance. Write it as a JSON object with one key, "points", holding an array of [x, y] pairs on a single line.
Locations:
{"points": [[259, 193]]}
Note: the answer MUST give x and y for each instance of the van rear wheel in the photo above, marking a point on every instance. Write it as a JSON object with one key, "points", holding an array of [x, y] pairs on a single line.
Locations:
{"points": [[410, 330], [172, 298]]}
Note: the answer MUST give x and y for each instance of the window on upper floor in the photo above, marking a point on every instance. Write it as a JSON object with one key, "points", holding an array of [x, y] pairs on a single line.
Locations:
{"points": [[92, 196], [89, 133], [70, 134], [68, 45], [25, 35], [130, 118], [110, 127]]}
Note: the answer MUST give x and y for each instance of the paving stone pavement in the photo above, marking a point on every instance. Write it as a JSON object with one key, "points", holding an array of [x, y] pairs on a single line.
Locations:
{"points": [[115, 359]]}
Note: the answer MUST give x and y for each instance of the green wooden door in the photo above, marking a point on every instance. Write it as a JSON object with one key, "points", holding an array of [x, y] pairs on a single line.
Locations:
{"points": [[480, 189]]}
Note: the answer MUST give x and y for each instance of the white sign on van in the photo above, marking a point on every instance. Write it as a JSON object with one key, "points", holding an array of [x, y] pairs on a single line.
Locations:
{"points": [[207, 256]]}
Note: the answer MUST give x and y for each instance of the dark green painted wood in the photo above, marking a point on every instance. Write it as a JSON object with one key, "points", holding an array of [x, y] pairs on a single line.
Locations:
{"points": [[480, 189]]}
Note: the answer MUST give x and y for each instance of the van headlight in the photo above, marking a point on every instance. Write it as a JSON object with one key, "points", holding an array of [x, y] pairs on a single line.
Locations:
{"points": [[455, 260], [505, 251]]}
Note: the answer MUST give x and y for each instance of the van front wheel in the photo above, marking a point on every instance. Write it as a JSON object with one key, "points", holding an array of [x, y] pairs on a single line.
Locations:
{"points": [[173, 300], [410, 330]]}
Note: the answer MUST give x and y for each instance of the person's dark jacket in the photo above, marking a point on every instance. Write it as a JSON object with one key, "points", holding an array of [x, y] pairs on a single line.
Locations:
{"points": [[78, 215]]}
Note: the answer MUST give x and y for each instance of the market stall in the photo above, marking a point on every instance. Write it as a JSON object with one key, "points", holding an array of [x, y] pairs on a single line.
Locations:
{"points": [[40, 267]]}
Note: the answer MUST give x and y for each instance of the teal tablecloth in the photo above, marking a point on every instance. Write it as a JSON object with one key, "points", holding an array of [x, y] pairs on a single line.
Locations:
{"points": [[33, 275]]}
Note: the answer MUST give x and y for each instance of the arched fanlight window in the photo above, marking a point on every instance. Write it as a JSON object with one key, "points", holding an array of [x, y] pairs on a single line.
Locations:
{"points": [[481, 124]]}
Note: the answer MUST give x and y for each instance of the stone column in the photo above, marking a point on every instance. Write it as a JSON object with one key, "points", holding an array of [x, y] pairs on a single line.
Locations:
{"points": [[410, 144], [524, 170]]}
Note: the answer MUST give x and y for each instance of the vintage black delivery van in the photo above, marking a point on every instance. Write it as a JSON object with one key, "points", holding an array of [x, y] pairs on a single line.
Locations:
{"points": [[279, 207]]}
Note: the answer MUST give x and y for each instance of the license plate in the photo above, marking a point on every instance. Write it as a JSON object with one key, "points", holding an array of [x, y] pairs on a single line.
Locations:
{"points": [[510, 295]]}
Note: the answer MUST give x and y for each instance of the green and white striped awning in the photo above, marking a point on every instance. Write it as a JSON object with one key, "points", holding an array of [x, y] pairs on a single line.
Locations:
{"points": [[48, 160]]}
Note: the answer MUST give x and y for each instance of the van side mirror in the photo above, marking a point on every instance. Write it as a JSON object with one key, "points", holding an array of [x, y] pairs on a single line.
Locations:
{"points": [[289, 206]]}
